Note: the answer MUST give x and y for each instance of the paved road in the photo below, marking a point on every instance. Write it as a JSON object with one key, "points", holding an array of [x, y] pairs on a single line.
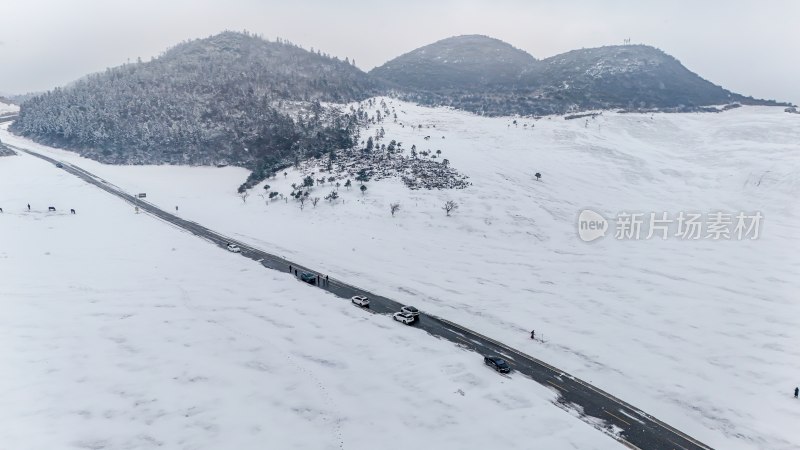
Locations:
{"points": [[634, 428]]}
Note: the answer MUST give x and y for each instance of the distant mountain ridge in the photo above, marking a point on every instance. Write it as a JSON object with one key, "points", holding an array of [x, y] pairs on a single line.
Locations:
{"points": [[491, 77], [469, 61], [235, 98]]}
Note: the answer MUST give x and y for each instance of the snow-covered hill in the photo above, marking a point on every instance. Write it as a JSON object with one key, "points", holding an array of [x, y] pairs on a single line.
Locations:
{"points": [[700, 333], [119, 332]]}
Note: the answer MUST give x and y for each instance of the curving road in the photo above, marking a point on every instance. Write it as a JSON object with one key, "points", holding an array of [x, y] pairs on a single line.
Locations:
{"points": [[623, 422]]}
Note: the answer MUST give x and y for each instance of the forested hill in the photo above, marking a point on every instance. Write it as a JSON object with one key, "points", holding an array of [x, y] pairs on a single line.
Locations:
{"points": [[232, 98]]}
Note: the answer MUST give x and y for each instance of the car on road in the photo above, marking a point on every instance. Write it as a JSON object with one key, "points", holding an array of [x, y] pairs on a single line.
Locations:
{"points": [[308, 277], [403, 317], [410, 310], [59, 165], [360, 300], [234, 248], [497, 363]]}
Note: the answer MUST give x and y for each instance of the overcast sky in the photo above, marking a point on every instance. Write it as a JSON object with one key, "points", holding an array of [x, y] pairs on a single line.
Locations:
{"points": [[749, 47]]}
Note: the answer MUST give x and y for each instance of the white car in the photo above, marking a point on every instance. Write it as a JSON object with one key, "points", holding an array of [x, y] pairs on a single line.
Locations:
{"points": [[360, 300], [410, 310], [234, 248], [403, 317]]}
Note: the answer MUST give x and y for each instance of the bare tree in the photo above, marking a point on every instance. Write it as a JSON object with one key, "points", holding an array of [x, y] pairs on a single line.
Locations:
{"points": [[302, 200], [314, 201], [394, 207], [244, 195], [450, 206], [538, 176], [363, 189]]}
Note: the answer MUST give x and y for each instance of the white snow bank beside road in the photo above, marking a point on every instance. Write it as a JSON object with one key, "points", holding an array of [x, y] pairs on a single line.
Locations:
{"points": [[118, 331]]}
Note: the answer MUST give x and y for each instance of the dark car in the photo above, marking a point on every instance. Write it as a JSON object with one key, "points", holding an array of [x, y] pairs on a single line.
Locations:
{"points": [[59, 165], [497, 363], [308, 277]]}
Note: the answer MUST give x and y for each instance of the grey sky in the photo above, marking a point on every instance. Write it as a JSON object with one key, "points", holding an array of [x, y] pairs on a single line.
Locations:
{"points": [[750, 47]]}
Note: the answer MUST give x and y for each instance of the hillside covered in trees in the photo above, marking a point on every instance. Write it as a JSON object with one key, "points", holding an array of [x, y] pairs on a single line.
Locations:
{"points": [[233, 98]]}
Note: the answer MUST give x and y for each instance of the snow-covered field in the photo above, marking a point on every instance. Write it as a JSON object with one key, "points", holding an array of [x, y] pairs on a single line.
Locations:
{"points": [[5, 108], [702, 334], [118, 331]]}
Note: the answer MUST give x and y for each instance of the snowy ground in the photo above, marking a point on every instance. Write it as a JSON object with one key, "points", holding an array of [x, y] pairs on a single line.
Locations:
{"points": [[702, 334], [118, 331], [6, 108]]}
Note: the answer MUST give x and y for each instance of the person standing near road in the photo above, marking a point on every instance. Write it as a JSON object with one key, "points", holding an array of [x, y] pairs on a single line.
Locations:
{"points": [[533, 334], [290, 267], [326, 280], [176, 208], [29, 206]]}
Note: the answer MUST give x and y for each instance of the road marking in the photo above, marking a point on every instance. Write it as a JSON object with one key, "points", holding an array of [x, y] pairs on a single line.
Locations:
{"points": [[506, 356], [557, 386], [625, 413], [679, 445], [618, 417]]}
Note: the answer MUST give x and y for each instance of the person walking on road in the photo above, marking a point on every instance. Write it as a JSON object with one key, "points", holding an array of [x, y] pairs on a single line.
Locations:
{"points": [[796, 391]]}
